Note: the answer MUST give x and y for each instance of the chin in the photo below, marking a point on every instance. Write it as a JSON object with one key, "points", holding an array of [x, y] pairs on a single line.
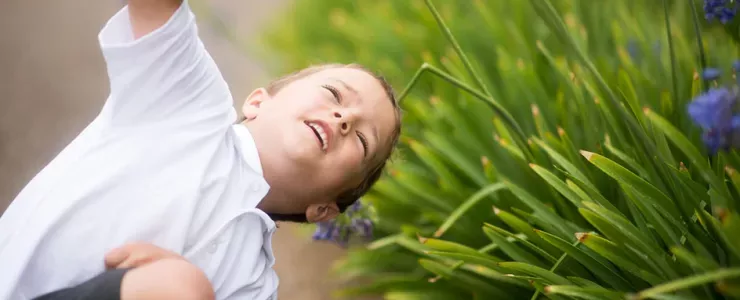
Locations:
{"points": [[299, 154]]}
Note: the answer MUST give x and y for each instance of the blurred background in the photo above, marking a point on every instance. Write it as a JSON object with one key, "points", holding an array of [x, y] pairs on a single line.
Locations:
{"points": [[53, 83]]}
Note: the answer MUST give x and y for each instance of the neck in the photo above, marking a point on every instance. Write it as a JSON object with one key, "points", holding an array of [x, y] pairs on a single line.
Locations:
{"points": [[277, 199], [273, 203]]}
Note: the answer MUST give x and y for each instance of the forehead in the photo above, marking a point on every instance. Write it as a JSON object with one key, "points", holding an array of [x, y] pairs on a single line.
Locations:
{"points": [[363, 82]]}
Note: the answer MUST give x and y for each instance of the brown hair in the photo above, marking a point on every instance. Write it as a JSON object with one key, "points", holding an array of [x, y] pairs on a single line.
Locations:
{"points": [[349, 197]]}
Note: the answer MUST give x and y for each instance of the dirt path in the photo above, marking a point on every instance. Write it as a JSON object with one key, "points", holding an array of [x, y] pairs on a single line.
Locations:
{"points": [[53, 82]]}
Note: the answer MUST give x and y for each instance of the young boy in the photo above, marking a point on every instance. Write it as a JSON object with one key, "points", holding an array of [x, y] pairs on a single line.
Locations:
{"points": [[164, 165]]}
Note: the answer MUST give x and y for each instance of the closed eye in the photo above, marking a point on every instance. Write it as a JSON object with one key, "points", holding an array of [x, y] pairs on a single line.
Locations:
{"points": [[334, 92], [363, 140]]}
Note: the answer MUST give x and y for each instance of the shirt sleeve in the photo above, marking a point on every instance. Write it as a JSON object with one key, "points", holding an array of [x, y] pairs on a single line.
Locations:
{"points": [[166, 75]]}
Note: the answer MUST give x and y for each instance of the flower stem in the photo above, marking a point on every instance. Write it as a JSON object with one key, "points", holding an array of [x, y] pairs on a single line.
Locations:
{"points": [[519, 137], [674, 80], [498, 108], [699, 42], [456, 46]]}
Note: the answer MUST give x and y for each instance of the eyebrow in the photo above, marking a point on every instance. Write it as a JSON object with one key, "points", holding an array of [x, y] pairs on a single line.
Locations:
{"points": [[347, 87], [354, 91]]}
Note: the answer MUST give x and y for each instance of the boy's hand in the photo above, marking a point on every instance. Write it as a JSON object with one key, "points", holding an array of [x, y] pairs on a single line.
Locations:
{"points": [[148, 15], [135, 255]]}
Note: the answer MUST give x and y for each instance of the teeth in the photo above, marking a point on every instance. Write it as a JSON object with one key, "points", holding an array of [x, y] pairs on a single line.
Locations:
{"points": [[322, 134]]}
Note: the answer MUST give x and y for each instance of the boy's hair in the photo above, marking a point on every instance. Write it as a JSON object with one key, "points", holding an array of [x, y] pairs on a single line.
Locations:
{"points": [[349, 197]]}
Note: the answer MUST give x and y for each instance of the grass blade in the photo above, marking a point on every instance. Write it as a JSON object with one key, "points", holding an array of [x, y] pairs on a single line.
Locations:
{"points": [[557, 184], [467, 205], [523, 240], [669, 37], [693, 154], [488, 261], [688, 282], [511, 249], [616, 255], [588, 293], [535, 271], [462, 279], [523, 227], [602, 269], [696, 262], [548, 216], [625, 176]]}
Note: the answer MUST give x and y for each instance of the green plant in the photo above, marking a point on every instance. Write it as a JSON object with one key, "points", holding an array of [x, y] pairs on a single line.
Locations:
{"points": [[547, 150]]}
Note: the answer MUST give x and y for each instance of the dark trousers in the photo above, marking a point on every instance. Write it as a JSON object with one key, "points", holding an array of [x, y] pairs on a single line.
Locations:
{"points": [[106, 286]]}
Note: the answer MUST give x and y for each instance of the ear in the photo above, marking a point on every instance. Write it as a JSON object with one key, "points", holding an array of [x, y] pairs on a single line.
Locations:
{"points": [[251, 106], [322, 212]]}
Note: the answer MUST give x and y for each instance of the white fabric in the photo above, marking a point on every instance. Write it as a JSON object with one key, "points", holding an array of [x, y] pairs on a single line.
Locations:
{"points": [[162, 163]]}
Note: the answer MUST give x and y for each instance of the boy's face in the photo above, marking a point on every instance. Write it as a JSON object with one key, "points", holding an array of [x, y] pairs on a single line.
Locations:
{"points": [[319, 136]]}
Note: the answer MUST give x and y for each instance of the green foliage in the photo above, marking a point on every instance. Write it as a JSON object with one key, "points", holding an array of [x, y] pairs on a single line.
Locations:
{"points": [[568, 116]]}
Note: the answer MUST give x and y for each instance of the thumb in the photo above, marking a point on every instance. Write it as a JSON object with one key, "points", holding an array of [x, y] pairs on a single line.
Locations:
{"points": [[115, 257]]}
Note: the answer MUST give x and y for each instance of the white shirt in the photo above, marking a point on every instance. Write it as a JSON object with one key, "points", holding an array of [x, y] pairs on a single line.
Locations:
{"points": [[162, 163]]}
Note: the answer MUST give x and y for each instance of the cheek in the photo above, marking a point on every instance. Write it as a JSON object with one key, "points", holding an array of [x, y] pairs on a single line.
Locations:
{"points": [[296, 101], [347, 167]]}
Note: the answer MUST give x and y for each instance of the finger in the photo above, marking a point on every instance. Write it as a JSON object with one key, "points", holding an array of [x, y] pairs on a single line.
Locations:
{"points": [[116, 256], [134, 261]]}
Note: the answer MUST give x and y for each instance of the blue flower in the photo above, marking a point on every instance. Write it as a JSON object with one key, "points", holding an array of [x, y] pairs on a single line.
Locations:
{"points": [[633, 48], [714, 111], [657, 48], [723, 10], [736, 66], [711, 74], [341, 229]]}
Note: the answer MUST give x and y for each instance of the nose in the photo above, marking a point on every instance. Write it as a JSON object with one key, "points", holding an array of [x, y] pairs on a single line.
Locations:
{"points": [[345, 119]]}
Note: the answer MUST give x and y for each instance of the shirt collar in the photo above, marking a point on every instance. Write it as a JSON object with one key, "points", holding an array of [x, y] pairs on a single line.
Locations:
{"points": [[248, 147]]}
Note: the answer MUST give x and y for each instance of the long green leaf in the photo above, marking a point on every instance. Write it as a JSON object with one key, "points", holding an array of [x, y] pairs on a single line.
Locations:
{"points": [[590, 191], [521, 239], [556, 183], [562, 161], [624, 176], [613, 233], [462, 279], [521, 226], [688, 282], [653, 215], [459, 158], [714, 226], [618, 256], [602, 270], [628, 160], [626, 231], [691, 153], [535, 271], [697, 262], [548, 216], [448, 181], [442, 245], [730, 222], [512, 249], [488, 261], [588, 293], [466, 206]]}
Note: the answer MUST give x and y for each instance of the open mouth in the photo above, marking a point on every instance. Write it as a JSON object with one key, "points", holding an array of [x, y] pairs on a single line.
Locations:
{"points": [[320, 133]]}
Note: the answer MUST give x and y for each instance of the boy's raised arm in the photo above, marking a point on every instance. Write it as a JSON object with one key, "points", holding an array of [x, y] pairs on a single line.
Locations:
{"points": [[160, 72], [148, 15]]}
